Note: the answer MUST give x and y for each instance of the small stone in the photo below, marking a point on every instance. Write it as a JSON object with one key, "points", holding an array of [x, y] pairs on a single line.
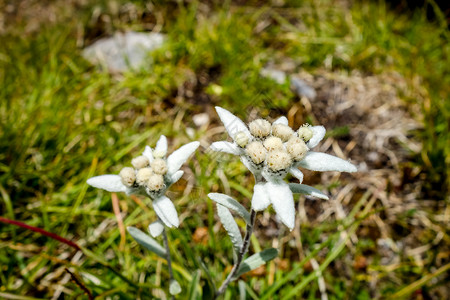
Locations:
{"points": [[200, 119], [302, 89], [140, 162], [127, 176], [273, 143], [282, 131], [260, 128], [124, 51], [159, 166], [277, 75], [256, 152]]}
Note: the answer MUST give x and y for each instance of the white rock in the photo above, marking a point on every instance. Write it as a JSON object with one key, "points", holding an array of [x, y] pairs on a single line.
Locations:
{"points": [[123, 51]]}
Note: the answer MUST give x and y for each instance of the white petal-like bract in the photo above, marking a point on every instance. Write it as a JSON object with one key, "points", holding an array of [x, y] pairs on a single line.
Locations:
{"points": [[260, 199], [281, 120], [176, 176], [232, 124], [110, 183], [148, 153], [307, 190], [318, 134], [230, 203], [282, 201], [161, 145], [226, 147], [179, 157], [156, 228], [166, 211], [317, 161], [296, 173]]}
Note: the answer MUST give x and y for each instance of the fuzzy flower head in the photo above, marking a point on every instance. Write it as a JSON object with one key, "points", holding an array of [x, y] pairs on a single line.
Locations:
{"points": [[151, 175], [270, 152]]}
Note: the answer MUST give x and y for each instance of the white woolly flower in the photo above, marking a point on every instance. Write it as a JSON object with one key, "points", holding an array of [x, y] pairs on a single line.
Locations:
{"points": [[140, 162], [127, 176], [152, 181], [284, 132], [159, 166], [270, 188], [256, 152], [260, 128], [273, 143], [143, 175], [305, 133]]}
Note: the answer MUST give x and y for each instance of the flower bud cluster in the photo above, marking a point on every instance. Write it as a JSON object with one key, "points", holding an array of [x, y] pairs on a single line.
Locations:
{"points": [[275, 147], [146, 175]]}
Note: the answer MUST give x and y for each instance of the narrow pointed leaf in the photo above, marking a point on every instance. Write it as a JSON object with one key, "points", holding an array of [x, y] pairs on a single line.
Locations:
{"points": [[147, 242], [257, 260], [230, 225], [242, 292], [179, 157], [317, 161], [226, 147], [110, 183], [307, 190], [230, 203], [193, 285]]}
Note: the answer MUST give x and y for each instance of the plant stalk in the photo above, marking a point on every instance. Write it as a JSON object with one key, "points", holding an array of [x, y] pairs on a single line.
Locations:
{"points": [[168, 257], [242, 252]]}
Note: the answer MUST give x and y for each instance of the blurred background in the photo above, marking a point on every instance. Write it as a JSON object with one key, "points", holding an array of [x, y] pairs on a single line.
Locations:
{"points": [[87, 84]]}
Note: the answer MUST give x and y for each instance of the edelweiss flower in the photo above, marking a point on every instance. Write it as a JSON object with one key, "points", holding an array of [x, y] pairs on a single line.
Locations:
{"points": [[152, 175], [270, 151]]}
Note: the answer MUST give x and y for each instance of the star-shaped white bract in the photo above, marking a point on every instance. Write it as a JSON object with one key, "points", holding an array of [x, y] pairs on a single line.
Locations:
{"points": [[270, 151], [152, 176]]}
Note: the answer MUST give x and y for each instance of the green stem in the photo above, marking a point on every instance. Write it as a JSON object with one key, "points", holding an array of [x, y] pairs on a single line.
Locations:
{"points": [[242, 252]]}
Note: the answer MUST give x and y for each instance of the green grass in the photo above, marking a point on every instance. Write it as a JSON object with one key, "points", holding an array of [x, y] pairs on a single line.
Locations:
{"points": [[61, 122]]}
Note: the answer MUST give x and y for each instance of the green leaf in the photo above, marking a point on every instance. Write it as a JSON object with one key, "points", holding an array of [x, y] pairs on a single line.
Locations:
{"points": [[174, 288], [257, 260], [147, 242], [230, 203], [307, 190], [230, 225], [242, 293], [193, 286]]}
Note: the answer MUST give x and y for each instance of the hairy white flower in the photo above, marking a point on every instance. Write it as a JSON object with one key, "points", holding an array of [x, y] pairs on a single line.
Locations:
{"points": [[155, 183], [241, 139], [273, 143], [127, 176], [143, 175], [149, 182], [159, 166], [269, 172], [140, 162], [278, 160], [256, 151], [305, 133], [297, 148], [260, 128], [284, 132]]}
